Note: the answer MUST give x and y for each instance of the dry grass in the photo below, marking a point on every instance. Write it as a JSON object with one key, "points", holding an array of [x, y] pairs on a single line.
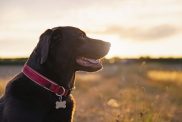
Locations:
{"points": [[174, 76], [128, 93]]}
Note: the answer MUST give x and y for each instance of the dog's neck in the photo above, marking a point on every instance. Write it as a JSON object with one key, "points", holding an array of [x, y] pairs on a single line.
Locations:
{"points": [[65, 78]]}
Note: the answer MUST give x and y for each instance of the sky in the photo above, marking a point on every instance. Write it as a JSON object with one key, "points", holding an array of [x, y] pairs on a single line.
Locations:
{"points": [[135, 28]]}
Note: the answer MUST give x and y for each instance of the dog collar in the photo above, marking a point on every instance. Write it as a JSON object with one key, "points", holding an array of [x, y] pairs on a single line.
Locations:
{"points": [[44, 82]]}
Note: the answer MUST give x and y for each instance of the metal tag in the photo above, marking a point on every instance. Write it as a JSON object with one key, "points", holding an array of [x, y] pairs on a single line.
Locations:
{"points": [[60, 104]]}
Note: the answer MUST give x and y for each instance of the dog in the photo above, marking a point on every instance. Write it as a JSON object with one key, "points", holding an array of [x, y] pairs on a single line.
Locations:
{"points": [[42, 91]]}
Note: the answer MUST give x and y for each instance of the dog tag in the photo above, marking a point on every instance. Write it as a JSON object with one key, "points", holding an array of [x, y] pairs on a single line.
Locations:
{"points": [[60, 104]]}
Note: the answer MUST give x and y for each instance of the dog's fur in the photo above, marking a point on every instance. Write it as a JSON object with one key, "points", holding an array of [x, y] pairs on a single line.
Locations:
{"points": [[54, 57]]}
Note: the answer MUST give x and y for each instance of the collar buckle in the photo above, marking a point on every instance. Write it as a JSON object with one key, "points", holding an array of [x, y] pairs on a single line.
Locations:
{"points": [[61, 92]]}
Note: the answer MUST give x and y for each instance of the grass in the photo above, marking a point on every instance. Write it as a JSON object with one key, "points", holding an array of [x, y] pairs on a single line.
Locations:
{"points": [[126, 93]]}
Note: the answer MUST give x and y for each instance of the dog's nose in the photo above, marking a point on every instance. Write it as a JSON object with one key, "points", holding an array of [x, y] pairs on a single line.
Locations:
{"points": [[108, 44]]}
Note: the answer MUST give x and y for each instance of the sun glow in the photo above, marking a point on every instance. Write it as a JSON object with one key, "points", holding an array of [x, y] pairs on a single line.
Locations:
{"points": [[116, 44], [134, 28]]}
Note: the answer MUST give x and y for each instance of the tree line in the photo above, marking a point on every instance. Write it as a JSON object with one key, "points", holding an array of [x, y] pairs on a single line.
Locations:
{"points": [[114, 60]]}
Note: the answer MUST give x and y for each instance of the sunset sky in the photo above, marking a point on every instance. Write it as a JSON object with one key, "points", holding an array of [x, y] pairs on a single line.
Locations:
{"points": [[134, 27]]}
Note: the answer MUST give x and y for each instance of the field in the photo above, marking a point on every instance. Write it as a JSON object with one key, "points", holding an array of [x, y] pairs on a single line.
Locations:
{"points": [[126, 92]]}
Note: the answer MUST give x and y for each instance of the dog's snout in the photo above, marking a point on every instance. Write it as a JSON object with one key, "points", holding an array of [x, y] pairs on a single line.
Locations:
{"points": [[104, 43], [108, 44], [104, 48]]}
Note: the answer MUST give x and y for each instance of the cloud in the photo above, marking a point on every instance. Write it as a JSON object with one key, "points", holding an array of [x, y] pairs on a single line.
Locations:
{"points": [[142, 33]]}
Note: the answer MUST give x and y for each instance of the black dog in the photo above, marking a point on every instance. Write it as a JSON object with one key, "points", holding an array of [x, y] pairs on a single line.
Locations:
{"points": [[61, 52]]}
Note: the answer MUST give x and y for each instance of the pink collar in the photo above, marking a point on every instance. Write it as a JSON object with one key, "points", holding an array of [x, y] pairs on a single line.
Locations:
{"points": [[44, 82]]}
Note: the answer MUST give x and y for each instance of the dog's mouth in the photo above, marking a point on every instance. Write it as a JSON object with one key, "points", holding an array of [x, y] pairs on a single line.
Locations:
{"points": [[90, 55], [89, 63]]}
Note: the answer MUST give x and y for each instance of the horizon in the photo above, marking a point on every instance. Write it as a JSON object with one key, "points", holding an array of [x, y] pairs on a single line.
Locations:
{"points": [[134, 28], [108, 58]]}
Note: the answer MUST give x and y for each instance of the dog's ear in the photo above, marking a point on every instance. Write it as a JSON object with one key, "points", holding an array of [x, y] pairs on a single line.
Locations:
{"points": [[44, 42]]}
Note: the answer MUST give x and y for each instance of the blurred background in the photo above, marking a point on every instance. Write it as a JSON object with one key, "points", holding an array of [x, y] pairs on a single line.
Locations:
{"points": [[142, 76]]}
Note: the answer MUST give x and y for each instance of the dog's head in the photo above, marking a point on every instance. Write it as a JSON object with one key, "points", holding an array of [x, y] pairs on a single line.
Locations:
{"points": [[69, 47]]}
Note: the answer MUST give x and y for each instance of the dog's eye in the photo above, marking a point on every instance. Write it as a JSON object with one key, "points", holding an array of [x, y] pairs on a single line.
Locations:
{"points": [[82, 35]]}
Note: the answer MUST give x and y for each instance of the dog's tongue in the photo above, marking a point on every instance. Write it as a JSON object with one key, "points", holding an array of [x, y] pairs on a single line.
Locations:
{"points": [[90, 60], [87, 62]]}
